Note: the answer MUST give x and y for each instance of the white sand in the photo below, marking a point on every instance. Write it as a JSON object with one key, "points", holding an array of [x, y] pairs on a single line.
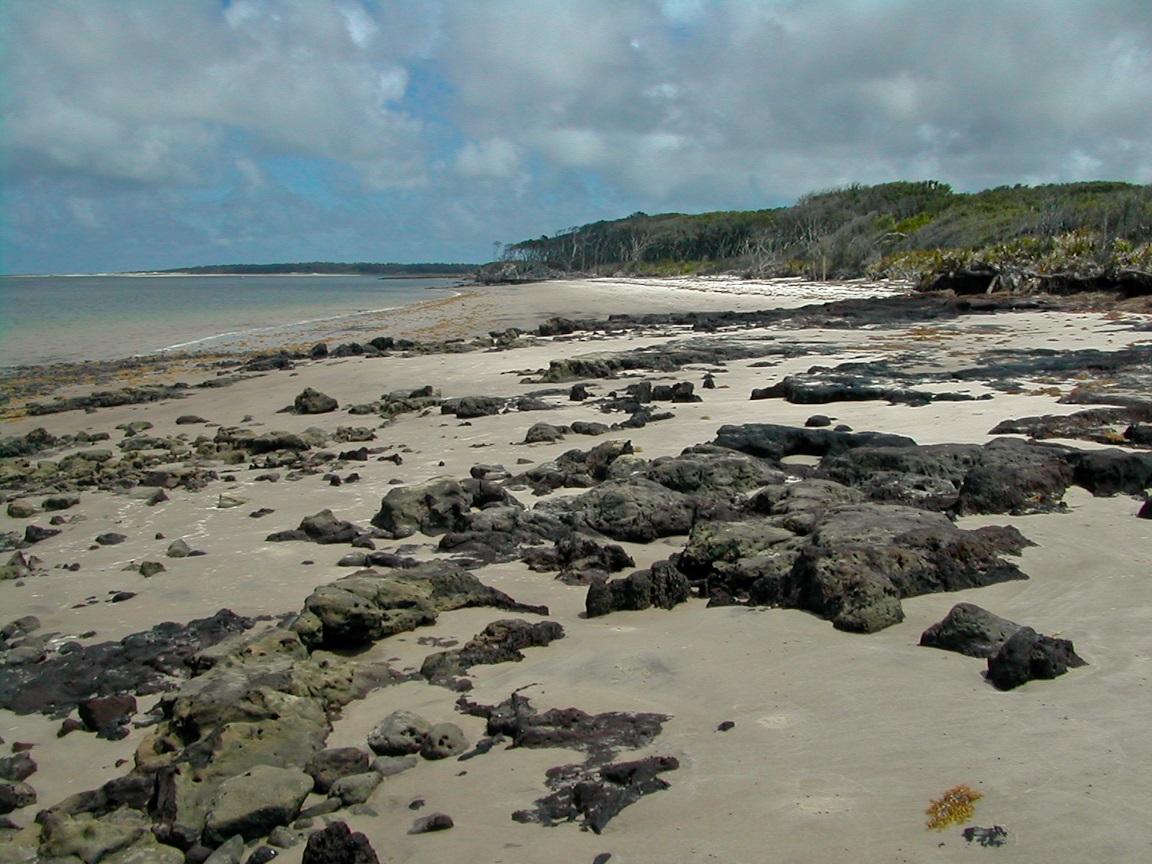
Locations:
{"points": [[840, 740]]}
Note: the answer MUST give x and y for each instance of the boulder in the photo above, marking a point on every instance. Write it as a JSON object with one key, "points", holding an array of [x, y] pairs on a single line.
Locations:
{"points": [[355, 789], [444, 740], [1027, 655], [431, 508], [178, 549], [775, 442], [91, 839], [327, 766], [15, 796], [544, 433], [662, 586], [431, 822], [311, 401], [253, 803], [970, 630], [637, 510], [108, 716], [17, 767], [337, 844], [398, 734]]}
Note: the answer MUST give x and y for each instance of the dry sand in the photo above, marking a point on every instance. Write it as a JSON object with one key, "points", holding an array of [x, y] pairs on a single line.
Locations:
{"points": [[840, 740]]}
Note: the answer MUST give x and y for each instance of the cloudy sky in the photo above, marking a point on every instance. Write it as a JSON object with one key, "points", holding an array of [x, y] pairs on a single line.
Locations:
{"points": [[141, 134]]}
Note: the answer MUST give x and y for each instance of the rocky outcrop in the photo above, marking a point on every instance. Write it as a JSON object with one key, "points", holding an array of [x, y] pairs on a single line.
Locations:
{"points": [[253, 803], [662, 586], [636, 510], [367, 605], [148, 662], [775, 442]]}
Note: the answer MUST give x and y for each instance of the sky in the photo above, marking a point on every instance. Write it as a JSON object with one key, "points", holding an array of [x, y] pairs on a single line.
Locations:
{"points": [[148, 134]]}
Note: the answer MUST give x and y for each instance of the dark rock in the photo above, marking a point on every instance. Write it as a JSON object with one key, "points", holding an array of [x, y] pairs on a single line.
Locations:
{"points": [[189, 419], [354, 611], [431, 508], [499, 642], [17, 767], [141, 663], [431, 822], [314, 402], [15, 796], [970, 630], [818, 421], [1027, 655], [110, 538], [324, 527], [1145, 511], [544, 433], [36, 533], [151, 568], [599, 735], [986, 837], [770, 441], [1111, 472], [637, 510], [178, 549], [337, 844], [556, 326], [662, 585], [471, 407], [597, 796], [108, 715], [262, 855], [60, 502], [578, 393]]}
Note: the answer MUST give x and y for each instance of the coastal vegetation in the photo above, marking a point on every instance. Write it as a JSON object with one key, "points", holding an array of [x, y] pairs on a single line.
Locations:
{"points": [[329, 268], [926, 231]]}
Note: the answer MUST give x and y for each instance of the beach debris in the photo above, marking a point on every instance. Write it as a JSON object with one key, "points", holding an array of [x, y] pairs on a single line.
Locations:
{"points": [[955, 806], [596, 795], [986, 837]]}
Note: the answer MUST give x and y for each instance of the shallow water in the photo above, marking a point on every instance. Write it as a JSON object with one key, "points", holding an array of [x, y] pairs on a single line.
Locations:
{"points": [[51, 319]]}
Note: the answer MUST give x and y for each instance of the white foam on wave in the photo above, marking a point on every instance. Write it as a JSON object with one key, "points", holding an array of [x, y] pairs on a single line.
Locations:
{"points": [[274, 327]]}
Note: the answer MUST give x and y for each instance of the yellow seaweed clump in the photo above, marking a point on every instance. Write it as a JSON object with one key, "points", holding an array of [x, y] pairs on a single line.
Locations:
{"points": [[953, 807]]}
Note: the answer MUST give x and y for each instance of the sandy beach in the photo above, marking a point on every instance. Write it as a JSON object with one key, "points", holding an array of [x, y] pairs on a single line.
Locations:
{"points": [[838, 740]]}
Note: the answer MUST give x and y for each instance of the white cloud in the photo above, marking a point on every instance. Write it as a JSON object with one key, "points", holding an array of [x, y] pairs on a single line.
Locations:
{"points": [[151, 92], [494, 157]]}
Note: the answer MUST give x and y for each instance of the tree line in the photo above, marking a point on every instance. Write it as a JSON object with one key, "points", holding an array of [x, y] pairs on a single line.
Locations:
{"points": [[851, 231]]}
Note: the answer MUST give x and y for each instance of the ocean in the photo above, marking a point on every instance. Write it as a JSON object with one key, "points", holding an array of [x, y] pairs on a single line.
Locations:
{"points": [[53, 319]]}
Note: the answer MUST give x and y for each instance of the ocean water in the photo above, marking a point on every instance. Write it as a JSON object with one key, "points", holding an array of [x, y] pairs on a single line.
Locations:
{"points": [[51, 319]]}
